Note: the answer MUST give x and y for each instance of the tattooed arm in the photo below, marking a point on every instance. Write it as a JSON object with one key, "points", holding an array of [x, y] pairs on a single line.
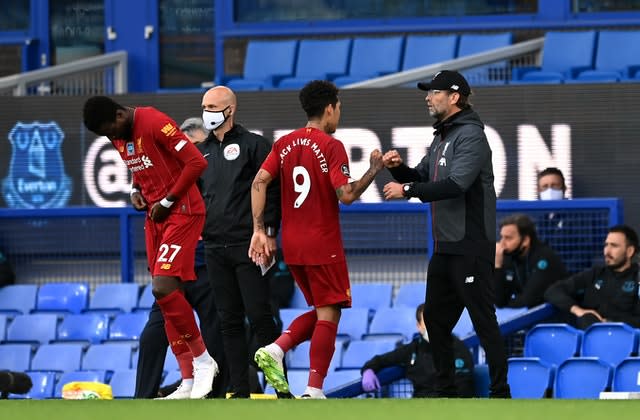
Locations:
{"points": [[350, 192], [259, 250]]}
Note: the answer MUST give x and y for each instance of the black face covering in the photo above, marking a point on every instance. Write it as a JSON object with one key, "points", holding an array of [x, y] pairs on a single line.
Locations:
{"points": [[516, 252]]}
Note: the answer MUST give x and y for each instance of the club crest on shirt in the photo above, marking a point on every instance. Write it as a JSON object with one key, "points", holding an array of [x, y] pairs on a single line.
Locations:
{"points": [[231, 152], [139, 148], [345, 170]]}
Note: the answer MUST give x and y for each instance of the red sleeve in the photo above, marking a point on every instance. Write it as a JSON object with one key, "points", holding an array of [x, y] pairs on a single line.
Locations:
{"points": [[338, 165], [177, 143], [271, 164]]}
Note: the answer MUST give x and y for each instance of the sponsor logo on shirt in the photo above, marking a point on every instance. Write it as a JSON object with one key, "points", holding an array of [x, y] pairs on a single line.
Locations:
{"points": [[165, 266], [131, 150], [469, 279], [231, 152]]}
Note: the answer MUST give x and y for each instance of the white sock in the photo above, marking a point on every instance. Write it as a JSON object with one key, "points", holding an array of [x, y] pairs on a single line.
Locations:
{"points": [[313, 391], [203, 358], [188, 383], [275, 350]]}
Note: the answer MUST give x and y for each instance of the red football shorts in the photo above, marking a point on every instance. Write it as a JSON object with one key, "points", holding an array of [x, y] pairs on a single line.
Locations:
{"points": [[324, 285], [171, 245]]}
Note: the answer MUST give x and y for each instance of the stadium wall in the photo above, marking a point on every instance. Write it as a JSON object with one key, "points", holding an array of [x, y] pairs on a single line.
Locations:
{"points": [[48, 159]]}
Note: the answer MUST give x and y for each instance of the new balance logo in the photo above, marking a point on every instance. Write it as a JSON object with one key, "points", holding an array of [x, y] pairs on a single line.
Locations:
{"points": [[468, 279]]}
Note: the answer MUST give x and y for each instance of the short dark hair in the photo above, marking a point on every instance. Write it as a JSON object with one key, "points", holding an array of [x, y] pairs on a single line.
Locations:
{"points": [[316, 95], [99, 110], [419, 312], [552, 171], [630, 235], [524, 224]]}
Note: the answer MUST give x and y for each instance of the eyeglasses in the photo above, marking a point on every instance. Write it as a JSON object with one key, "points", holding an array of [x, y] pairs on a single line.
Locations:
{"points": [[432, 92]]}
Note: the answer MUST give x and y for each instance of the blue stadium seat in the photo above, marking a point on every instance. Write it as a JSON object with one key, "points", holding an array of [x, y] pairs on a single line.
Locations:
{"points": [[354, 323], [170, 362], [564, 55], [298, 380], [319, 59], [372, 57], [507, 314], [340, 378], [489, 74], [61, 357], [552, 343], [464, 326], [400, 322], [15, 357], [612, 342], [582, 377], [91, 328], [371, 295], [422, 50], [108, 356], [171, 377], [114, 298], [63, 297], [360, 351], [298, 358], [123, 383], [127, 326], [18, 299], [265, 64], [34, 328], [626, 376], [529, 377], [613, 64], [43, 383], [146, 298], [78, 376], [298, 300], [411, 294], [287, 315], [3, 327]]}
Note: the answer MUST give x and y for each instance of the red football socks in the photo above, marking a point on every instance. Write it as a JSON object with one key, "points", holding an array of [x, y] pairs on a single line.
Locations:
{"points": [[177, 311], [300, 330], [321, 352]]}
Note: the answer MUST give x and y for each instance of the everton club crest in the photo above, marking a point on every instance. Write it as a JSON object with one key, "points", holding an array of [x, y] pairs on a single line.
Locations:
{"points": [[36, 177]]}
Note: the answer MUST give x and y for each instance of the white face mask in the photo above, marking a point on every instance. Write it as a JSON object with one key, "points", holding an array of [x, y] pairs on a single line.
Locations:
{"points": [[425, 335], [551, 194], [213, 119]]}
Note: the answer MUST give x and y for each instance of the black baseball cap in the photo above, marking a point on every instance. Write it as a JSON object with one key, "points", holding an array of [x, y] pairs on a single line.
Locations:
{"points": [[447, 80]]}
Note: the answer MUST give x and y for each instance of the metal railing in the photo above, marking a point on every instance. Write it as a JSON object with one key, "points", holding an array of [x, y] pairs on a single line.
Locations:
{"points": [[100, 75]]}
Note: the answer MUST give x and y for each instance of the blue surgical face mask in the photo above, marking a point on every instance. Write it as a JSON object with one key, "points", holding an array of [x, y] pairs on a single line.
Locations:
{"points": [[551, 194], [213, 119]]}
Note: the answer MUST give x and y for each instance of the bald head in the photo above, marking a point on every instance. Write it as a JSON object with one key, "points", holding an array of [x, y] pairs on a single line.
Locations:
{"points": [[218, 98]]}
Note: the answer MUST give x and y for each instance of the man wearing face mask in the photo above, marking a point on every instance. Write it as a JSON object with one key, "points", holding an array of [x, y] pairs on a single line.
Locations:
{"points": [[524, 266], [551, 184], [234, 156], [417, 359]]}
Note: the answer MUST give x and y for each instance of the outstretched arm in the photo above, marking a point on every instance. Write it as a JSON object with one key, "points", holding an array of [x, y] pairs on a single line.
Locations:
{"points": [[350, 192]]}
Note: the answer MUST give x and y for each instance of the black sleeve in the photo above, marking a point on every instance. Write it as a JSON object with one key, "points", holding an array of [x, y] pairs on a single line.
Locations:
{"points": [[397, 357], [564, 293], [464, 371], [548, 270], [437, 190], [403, 174]]}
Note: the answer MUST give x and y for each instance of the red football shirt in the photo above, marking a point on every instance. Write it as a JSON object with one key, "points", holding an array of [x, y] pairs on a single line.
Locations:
{"points": [[311, 165], [163, 160]]}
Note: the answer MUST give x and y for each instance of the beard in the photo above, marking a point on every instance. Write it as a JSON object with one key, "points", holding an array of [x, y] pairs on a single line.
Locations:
{"points": [[616, 264]]}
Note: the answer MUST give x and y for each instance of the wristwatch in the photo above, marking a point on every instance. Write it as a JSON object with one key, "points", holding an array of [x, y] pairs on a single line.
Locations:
{"points": [[270, 231], [406, 189]]}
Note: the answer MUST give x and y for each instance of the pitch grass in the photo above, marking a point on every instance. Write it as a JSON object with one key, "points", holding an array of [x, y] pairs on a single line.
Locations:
{"points": [[347, 409]]}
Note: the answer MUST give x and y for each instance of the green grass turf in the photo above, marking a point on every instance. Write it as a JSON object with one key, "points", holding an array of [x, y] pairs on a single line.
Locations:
{"points": [[370, 409]]}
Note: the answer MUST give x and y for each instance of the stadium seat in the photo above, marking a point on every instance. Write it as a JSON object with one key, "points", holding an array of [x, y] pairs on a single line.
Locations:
{"points": [[613, 64], [114, 298], [90, 328], [43, 383], [564, 55], [340, 378], [507, 314], [422, 50], [626, 377], [78, 376], [61, 357], [354, 323], [62, 297], [127, 326], [372, 57], [34, 328], [298, 358], [170, 362], [298, 380], [529, 377], [265, 64], [410, 294], [371, 295], [123, 383], [552, 343], [171, 377], [18, 299], [298, 300], [3, 327], [319, 59], [287, 315], [360, 351], [108, 356], [464, 326], [489, 74], [146, 298], [612, 342], [582, 377], [400, 322], [16, 357]]}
